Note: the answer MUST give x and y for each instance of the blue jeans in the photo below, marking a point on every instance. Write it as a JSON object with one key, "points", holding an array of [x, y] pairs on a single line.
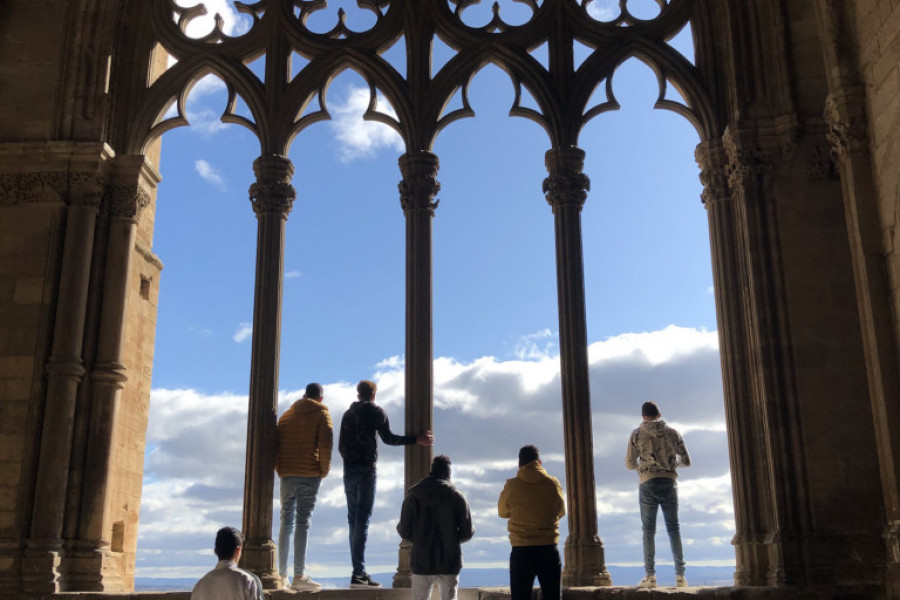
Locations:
{"points": [[359, 486], [298, 497], [660, 492]]}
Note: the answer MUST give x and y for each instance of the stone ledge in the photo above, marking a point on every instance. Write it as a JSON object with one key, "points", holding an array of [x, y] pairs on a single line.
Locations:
{"points": [[601, 593]]}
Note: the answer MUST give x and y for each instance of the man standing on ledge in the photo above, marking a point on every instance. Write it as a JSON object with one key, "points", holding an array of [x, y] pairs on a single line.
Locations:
{"points": [[655, 450], [227, 581], [533, 502], [435, 517], [359, 449], [305, 441]]}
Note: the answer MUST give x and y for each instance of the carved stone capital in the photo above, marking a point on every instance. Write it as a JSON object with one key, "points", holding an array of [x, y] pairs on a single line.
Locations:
{"points": [[127, 201], [86, 189], [567, 185], [713, 173], [845, 114], [748, 162], [419, 185], [273, 193]]}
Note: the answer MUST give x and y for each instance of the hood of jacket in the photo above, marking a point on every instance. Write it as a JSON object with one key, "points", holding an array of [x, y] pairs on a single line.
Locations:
{"points": [[432, 491], [533, 472]]}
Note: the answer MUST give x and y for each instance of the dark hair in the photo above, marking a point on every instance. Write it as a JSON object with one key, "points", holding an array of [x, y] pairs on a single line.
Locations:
{"points": [[528, 454], [228, 540], [314, 391], [650, 409], [366, 390], [440, 466]]}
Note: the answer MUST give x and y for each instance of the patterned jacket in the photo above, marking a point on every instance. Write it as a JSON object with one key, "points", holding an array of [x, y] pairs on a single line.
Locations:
{"points": [[656, 450]]}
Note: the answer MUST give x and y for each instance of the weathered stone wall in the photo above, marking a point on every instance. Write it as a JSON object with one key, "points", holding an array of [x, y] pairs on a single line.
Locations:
{"points": [[32, 35], [877, 24], [29, 244]]}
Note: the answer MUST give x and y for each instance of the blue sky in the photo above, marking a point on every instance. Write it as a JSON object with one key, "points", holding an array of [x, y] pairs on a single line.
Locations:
{"points": [[650, 310]]}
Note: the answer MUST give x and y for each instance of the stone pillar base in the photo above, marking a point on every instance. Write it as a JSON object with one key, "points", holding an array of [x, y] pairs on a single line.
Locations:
{"points": [[94, 571], [40, 571], [585, 564], [403, 576], [258, 556], [892, 567]]}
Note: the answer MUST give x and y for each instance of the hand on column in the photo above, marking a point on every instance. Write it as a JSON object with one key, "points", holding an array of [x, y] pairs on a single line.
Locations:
{"points": [[425, 439]]}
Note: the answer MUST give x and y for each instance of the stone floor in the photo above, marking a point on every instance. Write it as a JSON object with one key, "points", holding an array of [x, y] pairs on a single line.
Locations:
{"points": [[606, 593]]}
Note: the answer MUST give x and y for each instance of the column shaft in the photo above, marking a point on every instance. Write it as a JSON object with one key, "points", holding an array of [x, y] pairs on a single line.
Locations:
{"points": [[272, 197], [417, 191], [566, 190], [64, 369], [91, 567]]}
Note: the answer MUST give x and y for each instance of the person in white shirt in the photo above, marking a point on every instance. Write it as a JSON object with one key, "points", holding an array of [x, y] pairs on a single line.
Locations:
{"points": [[227, 581]]}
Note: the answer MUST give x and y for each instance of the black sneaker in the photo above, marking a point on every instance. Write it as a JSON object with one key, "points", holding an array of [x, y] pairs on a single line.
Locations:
{"points": [[363, 581]]}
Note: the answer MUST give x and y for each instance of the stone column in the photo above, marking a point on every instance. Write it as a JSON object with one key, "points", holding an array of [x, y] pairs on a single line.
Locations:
{"points": [[64, 370], [272, 196], [749, 472], [417, 191], [566, 190], [845, 113], [90, 568]]}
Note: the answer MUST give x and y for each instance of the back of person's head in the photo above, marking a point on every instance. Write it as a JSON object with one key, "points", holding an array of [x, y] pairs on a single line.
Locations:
{"points": [[650, 409], [366, 390], [440, 466], [528, 454], [314, 391], [228, 540]]}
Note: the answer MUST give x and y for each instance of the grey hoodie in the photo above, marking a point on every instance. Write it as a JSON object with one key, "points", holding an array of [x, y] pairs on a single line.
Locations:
{"points": [[656, 450]]}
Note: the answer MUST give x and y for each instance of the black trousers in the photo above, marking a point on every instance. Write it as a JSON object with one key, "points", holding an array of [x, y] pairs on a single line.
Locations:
{"points": [[528, 562]]}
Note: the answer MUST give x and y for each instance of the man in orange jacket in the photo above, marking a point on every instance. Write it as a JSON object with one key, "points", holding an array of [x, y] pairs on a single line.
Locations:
{"points": [[304, 458], [533, 502]]}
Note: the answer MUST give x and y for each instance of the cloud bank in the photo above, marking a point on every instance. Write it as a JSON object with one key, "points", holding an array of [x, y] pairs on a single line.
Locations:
{"points": [[484, 410], [356, 137]]}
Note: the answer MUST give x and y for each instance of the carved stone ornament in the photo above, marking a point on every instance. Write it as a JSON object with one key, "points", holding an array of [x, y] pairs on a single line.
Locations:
{"points": [[713, 174], [567, 185], [272, 198], [27, 188], [747, 162], [127, 201], [86, 189], [419, 185], [847, 127]]}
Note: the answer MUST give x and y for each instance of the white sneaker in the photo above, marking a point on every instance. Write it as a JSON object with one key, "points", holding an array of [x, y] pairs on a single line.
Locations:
{"points": [[304, 583], [649, 581], [681, 581], [284, 582]]}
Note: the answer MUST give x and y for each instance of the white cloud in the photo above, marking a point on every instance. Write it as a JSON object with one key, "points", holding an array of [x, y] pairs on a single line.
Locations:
{"points": [[540, 344], [292, 274], [357, 137], [244, 331], [484, 411], [208, 173], [604, 10], [233, 23]]}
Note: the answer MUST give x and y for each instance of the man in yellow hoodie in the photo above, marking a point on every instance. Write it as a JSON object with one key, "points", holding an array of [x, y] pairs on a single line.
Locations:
{"points": [[303, 460], [533, 502]]}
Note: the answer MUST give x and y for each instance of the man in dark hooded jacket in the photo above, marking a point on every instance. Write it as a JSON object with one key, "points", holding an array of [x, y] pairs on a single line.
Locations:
{"points": [[435, 518]]}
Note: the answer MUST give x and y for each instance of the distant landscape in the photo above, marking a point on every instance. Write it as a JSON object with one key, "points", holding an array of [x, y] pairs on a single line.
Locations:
{"points": [[621, 576]]}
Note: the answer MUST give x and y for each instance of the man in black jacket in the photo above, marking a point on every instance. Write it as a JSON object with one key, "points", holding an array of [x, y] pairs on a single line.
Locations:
{"points": [[435, 518], [359, 449]]}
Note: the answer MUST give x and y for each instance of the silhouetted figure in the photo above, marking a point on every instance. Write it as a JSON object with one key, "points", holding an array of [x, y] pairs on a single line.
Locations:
{"points": [[533, 502], [359, 449], [655, 450], [435, 517], [305, 441]]}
